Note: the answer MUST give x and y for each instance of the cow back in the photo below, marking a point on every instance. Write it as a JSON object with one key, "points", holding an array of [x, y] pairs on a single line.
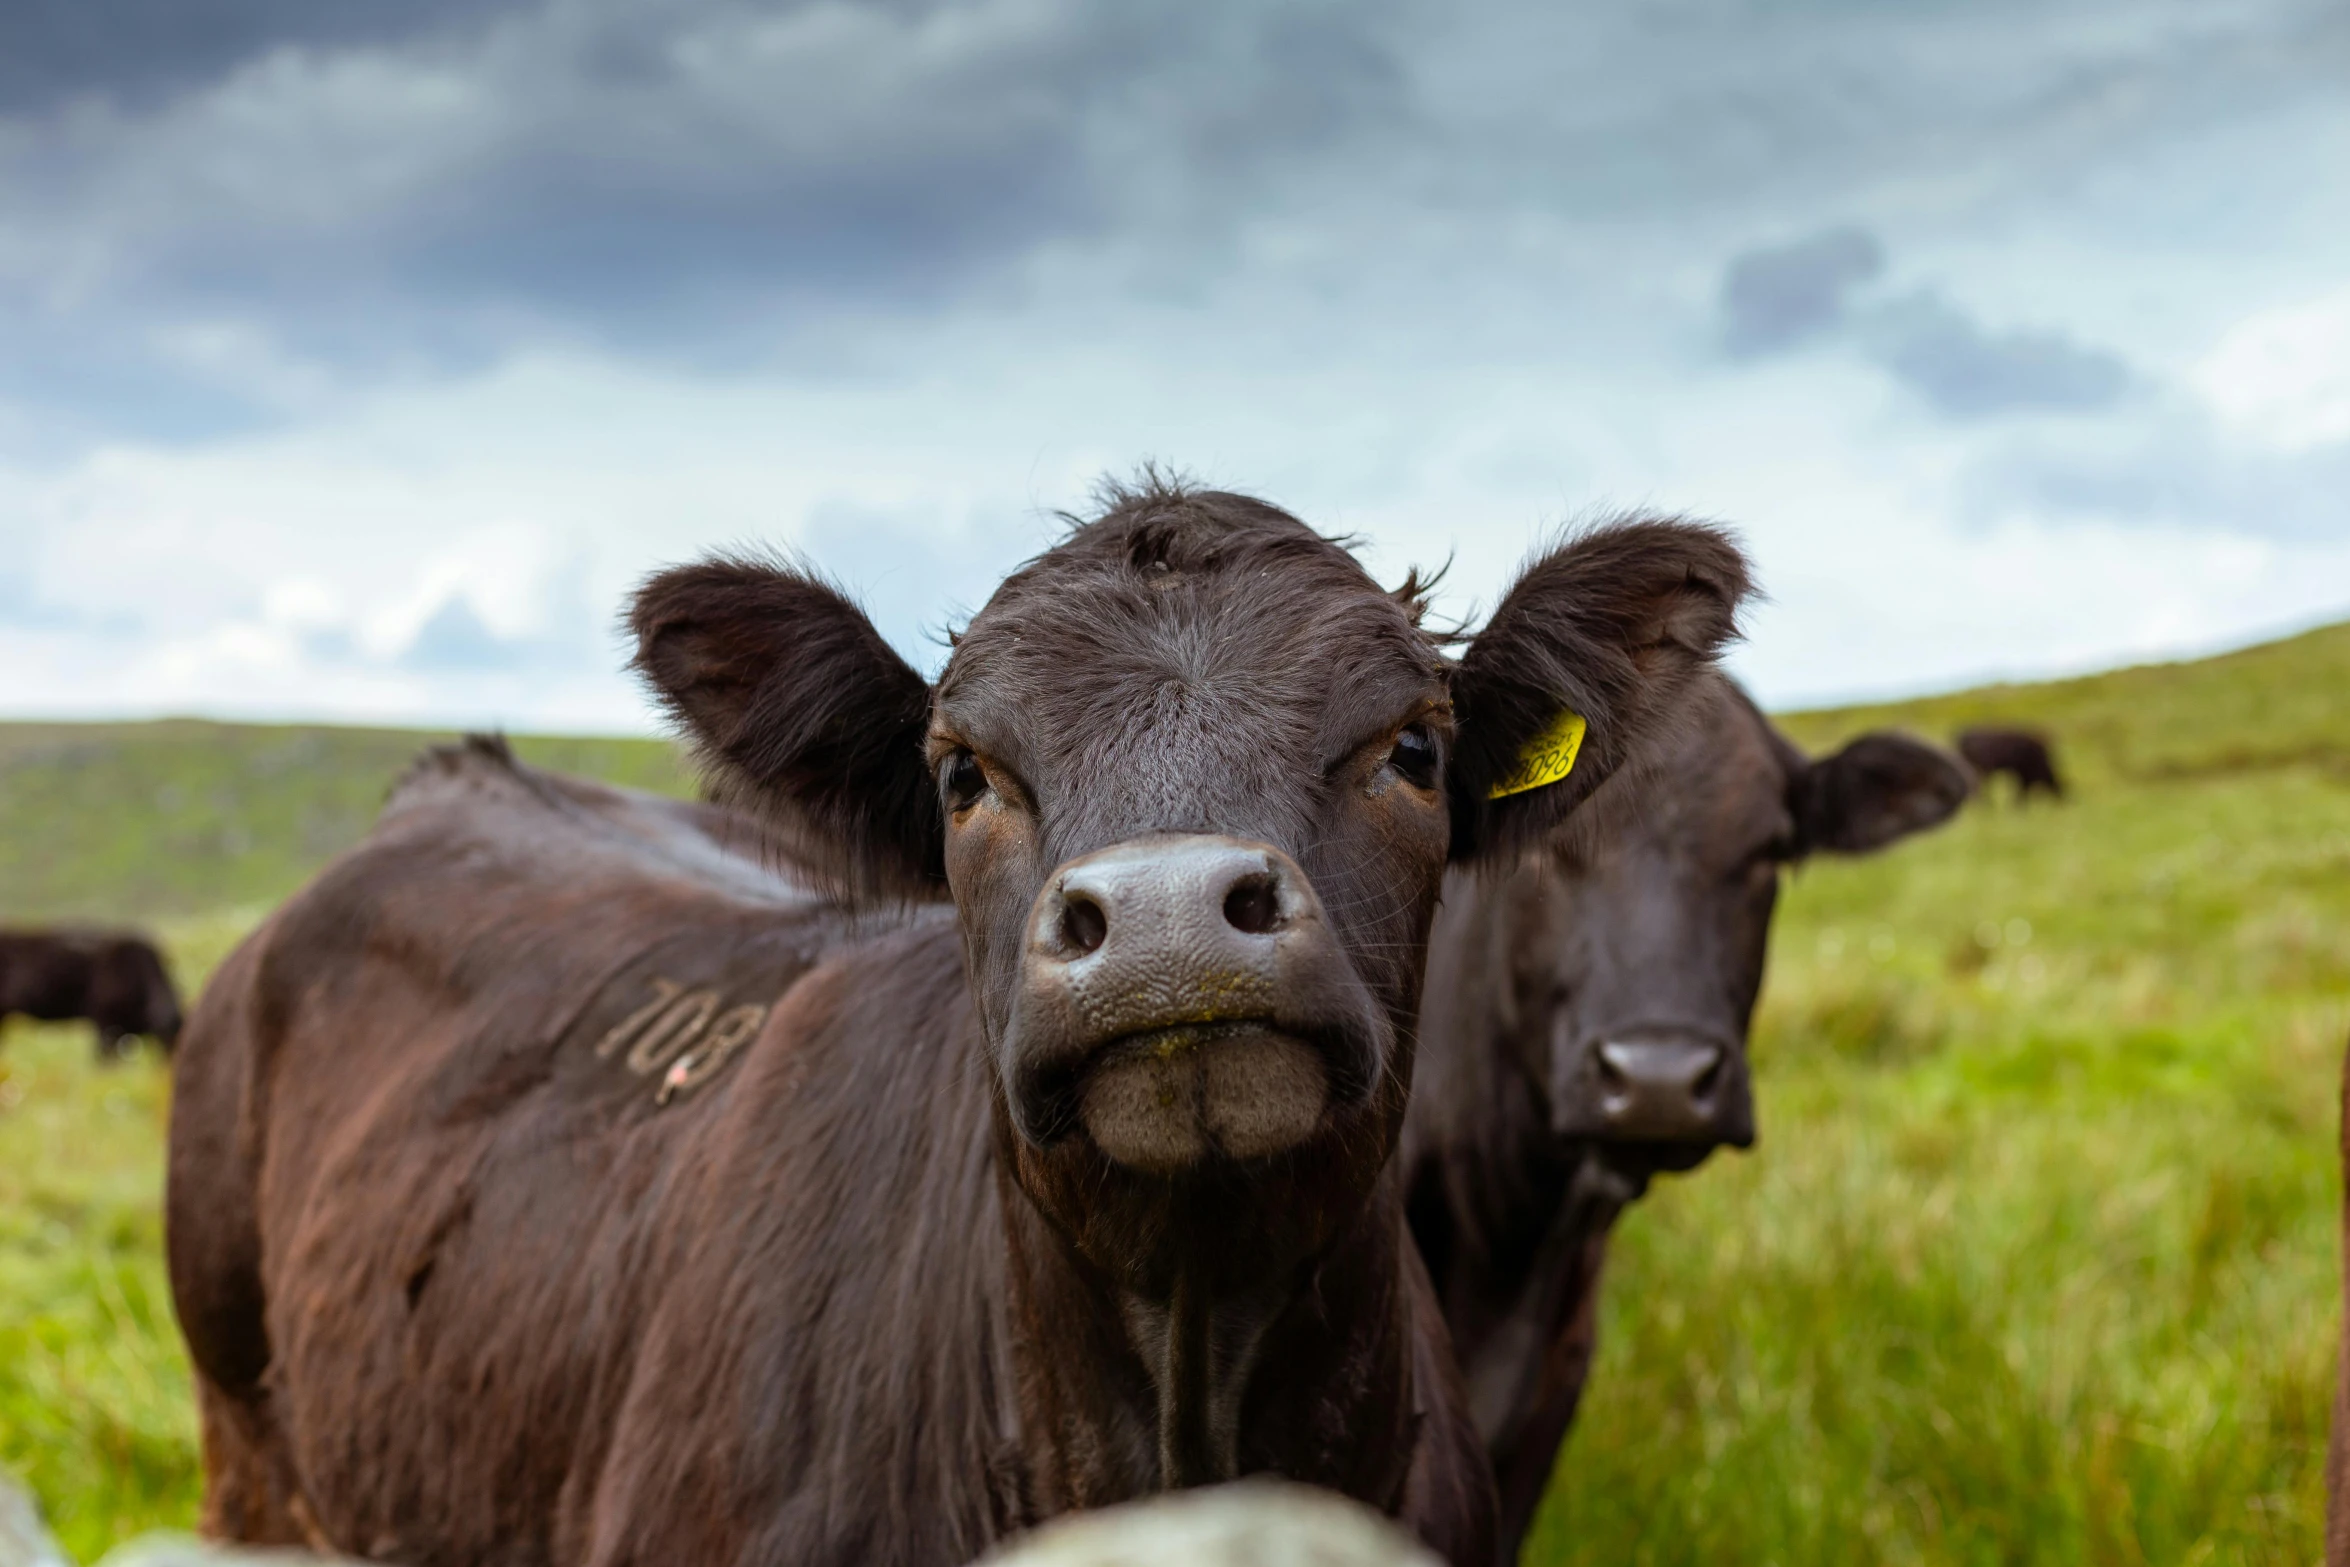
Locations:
{"points": [[538, 1206]]}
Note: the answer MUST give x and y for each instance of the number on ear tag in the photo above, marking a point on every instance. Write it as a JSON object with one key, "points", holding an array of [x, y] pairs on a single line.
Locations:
{"points": [[1548, 757]]}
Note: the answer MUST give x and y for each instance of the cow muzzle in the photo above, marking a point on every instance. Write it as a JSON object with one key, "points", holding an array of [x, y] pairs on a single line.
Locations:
{"points": [[1662, 1098], [1182, 999]]}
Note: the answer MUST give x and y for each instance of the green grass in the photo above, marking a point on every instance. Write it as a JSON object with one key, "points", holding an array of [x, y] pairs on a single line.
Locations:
{"points": [[2035, 1262], [150, 821], [95, 1413]]}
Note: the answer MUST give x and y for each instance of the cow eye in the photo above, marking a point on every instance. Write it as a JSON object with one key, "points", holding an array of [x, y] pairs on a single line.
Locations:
{"points": [[962, 780], [1414, 757]]}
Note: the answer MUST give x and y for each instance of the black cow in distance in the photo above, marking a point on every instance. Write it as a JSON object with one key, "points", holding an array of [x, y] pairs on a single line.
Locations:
{"points": [[2022, 754], [113, 978]]}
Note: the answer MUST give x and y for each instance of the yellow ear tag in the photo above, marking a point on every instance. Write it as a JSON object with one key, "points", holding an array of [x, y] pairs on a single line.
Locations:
{"points": [[1548, 757]]}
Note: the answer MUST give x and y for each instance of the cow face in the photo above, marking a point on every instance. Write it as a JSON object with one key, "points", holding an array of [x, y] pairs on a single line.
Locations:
{"points": [[1648, 927], [1191, 779]]}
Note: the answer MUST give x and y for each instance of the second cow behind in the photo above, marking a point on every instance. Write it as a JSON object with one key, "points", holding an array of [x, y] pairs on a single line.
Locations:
{"points": [[1586, 1027]]}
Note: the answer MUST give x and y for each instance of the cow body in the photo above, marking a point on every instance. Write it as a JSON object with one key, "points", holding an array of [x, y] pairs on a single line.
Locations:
{"points": [[1054, 1176], [2021, 754], [616, 1329], [114, 979], [1585, 1030]]}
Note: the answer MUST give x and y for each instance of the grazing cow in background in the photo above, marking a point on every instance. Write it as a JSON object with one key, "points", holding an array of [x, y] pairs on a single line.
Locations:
{"points": [[1585, 1028], [2019, 753], [113, 978], [535, 1198]]}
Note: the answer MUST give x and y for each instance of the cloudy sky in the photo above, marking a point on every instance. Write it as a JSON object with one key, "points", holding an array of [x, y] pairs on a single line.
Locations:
{"points": [[356, 357]]}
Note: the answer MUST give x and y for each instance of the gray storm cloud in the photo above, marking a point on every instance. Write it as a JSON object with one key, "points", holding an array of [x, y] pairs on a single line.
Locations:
{"points": [[1777, 299], [139, 53], [1965, 370], [1783, 296], [647, 177], [388, 191]]}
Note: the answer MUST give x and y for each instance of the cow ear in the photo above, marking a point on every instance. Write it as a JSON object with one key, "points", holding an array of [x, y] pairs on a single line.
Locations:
{"points": [[799, 711], [1583, 666], [1880, 788]]}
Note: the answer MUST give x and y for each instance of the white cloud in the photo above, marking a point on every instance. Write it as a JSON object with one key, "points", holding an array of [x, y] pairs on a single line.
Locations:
{"points": [[296, 572], [302, 604], [2282, 378]]}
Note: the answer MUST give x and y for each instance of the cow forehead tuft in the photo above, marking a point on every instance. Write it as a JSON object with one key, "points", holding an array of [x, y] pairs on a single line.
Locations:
{"points": [[1206, 580]]}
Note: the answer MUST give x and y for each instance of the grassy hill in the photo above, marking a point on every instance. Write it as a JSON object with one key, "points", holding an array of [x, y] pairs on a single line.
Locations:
{"points": [[2034, 1263], [153, 821]]}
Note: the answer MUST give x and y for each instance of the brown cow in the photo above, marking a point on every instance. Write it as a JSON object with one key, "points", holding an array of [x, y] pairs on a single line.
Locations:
{"points": [[939, 1222], [1585, 1028], [113, 978], [2022, 754]]}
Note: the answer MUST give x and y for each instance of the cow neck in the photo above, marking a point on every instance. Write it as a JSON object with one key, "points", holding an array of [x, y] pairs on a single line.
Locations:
{"points": [[1506, 1171], [1122, 1394], [1541, 1302], [1193, 1447], [1530, 1215], [1523, 1206]]}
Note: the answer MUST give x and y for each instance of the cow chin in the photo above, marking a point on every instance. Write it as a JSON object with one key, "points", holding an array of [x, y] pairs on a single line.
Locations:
{"points": [[1168, 1100], [1238, 1155]]}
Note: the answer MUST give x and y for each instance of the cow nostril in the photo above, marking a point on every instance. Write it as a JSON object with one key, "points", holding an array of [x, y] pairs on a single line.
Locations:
{"points": [[1708, 1080], [1611, 1075], [1252, 906], [1083, 925]]}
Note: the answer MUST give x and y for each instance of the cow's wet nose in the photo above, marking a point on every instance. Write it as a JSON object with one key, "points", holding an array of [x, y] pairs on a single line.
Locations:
{"points": [[1182, 996], [1206, 903], [1669, 1088]]}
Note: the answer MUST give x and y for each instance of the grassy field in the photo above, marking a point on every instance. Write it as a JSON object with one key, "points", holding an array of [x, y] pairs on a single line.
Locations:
{"points": [[2035, 1262]]}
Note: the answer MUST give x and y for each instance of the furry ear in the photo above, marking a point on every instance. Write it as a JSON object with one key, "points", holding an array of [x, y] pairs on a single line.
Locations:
{"points": [[800, 711], [1881, 787], [1609, 628]]}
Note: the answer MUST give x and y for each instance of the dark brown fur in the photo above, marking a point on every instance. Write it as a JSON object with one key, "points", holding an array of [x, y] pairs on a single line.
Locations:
{"points": [[458, 1290], [113, 978], [1650, 913], [2021, 754]]}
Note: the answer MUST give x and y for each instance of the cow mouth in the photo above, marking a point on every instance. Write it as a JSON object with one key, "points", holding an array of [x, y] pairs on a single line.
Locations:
{"points": [[1166, 1100], [1639, 1160]]}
